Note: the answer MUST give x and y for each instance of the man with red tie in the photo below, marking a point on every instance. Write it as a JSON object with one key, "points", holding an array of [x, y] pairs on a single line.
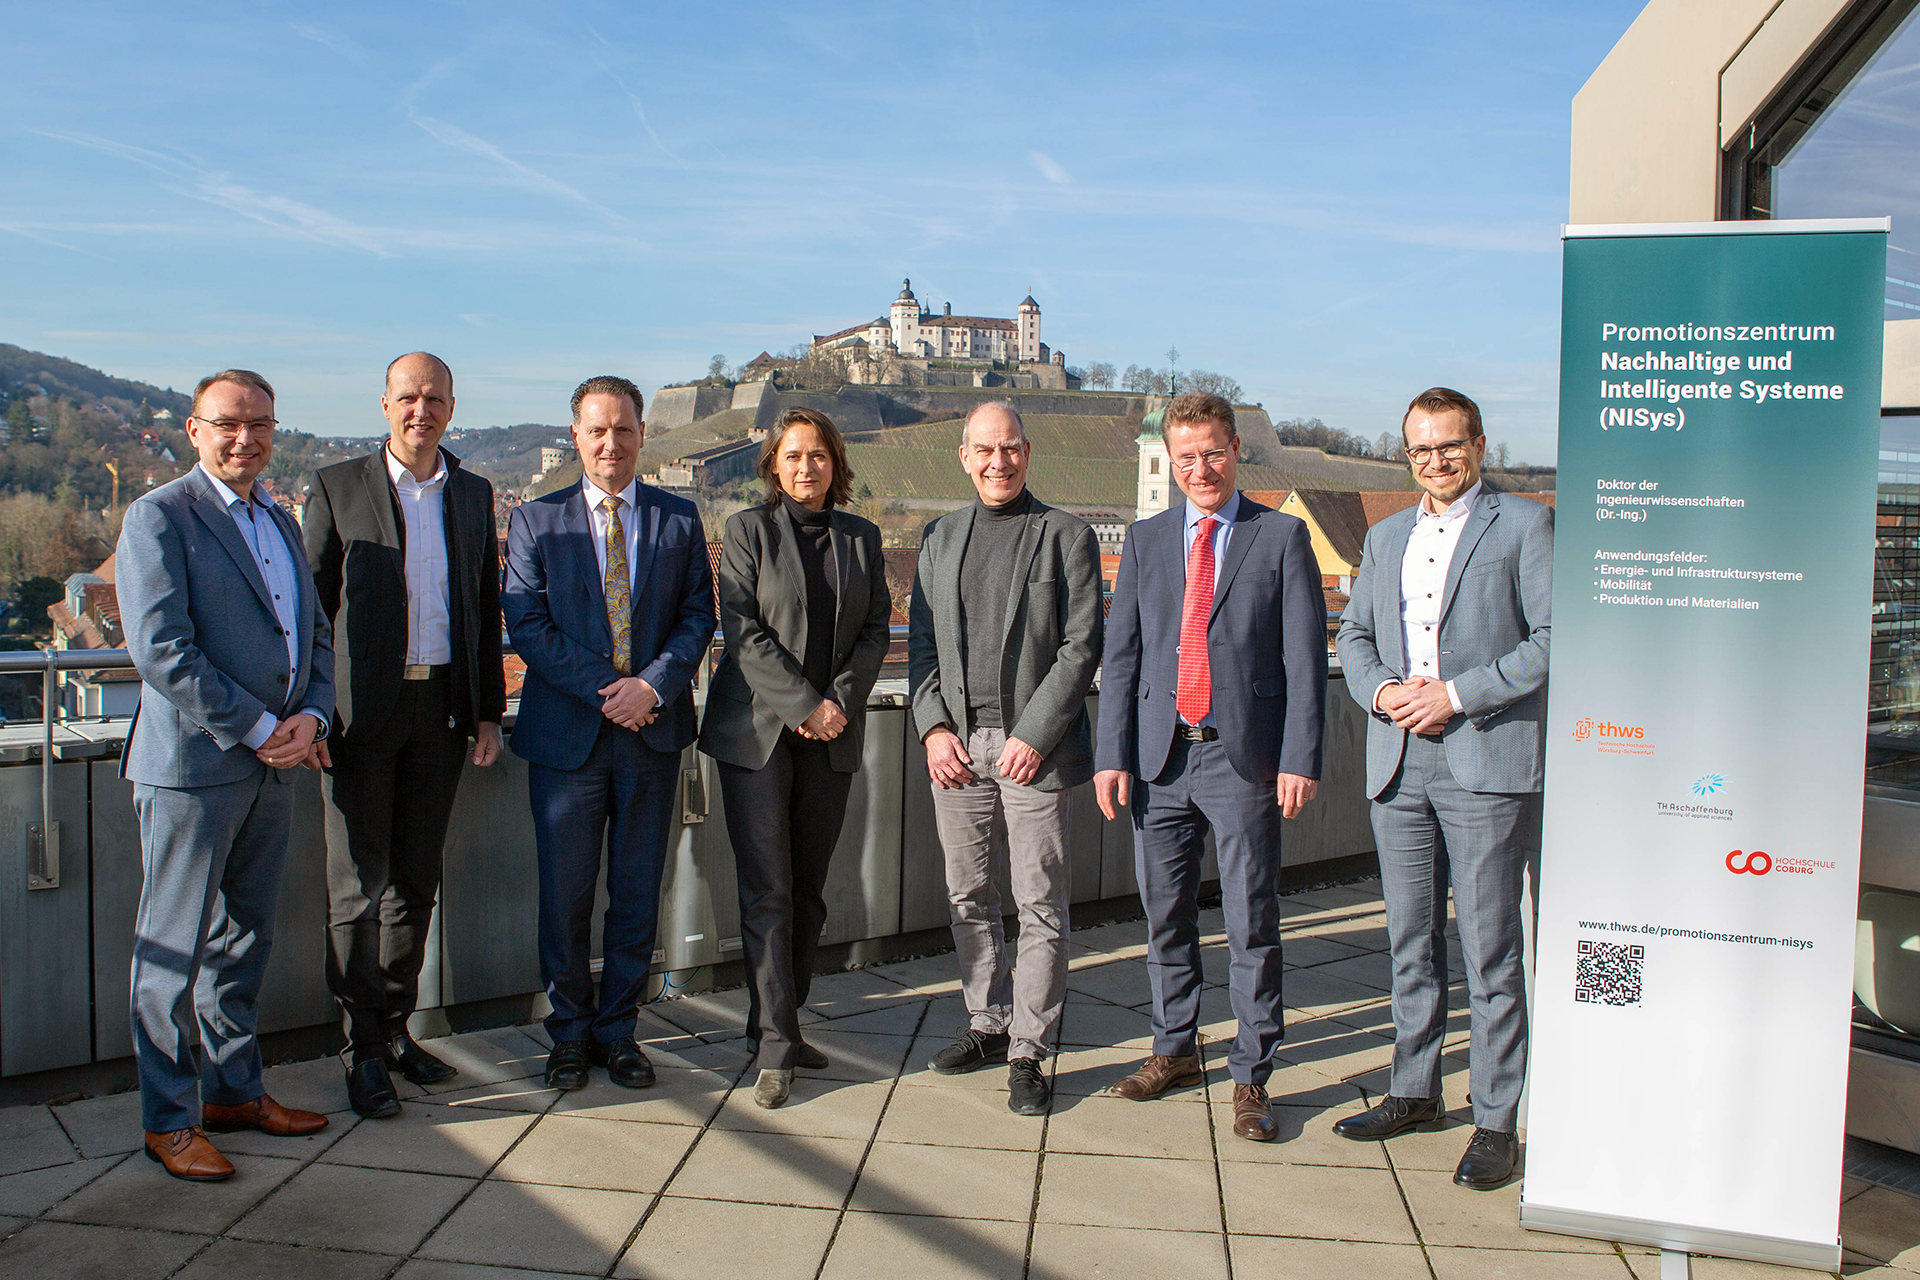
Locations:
{"points": [[1212, 696]]}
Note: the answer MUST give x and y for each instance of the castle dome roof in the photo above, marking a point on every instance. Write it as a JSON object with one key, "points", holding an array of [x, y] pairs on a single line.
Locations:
{"points": [[1029, 302], [906, 291]]}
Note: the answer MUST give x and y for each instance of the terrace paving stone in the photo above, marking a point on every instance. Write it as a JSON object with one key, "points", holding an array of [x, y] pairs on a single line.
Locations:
{"points": [[708, 1014], [30, 1138], [27, 1195], [1511, 1264], [138, 1193], [929, 975], [612, 1155], [1279, 1258], [1450, 1215], [430, 1269], [1373, 969], [1086, 1071], [1129, 1191], [898, 1019], [857, 1057], [881, 1244], [49, 1249], [1119, 1253], [1884, 1226], [838, 995], [1118, 1127], [718, 1240], [341, 1207], [536, 1227], [1095, 1022], [487, 1057], [770, 1168], [1121, 982], [244, 1260], [1319, 1201], [1306, 1137], [321, 1085], [678, 1096], [824, 1108], [948, 1182], [530, 1096], [958, 1118], [425, 1138], [105, 1126]]}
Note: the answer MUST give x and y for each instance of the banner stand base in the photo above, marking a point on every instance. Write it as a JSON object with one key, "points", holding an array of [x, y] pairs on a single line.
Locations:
{"points": [[1675, 1265], [1674, 1239]]}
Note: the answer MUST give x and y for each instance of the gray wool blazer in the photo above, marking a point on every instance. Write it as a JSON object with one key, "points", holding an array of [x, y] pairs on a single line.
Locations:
{"points": [[1048, 655], [760, 688], [1495, 622]]}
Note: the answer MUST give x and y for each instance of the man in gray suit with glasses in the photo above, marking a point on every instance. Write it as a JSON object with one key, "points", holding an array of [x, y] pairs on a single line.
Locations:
{"points": [[1444, 642]]}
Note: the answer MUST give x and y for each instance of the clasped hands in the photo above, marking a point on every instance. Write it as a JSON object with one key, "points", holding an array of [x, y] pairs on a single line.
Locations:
{"points": [[292, 743], [631, 702], [826, 723], [1417, 704]]}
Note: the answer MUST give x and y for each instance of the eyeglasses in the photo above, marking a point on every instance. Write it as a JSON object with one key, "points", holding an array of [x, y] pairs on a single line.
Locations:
{"points": [[1212, 457], [1452, 450], [233, 426]]}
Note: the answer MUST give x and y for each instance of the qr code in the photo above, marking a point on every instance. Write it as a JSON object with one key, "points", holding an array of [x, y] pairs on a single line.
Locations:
{"points": [[1608, 973]]}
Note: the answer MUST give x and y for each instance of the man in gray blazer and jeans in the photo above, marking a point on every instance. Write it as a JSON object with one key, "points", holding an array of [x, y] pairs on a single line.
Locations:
{"points": [[1005, 638], [1444, 642]]}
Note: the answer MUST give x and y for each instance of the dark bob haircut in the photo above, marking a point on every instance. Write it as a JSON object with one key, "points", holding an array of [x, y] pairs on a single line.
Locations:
{"points": [[840, 489]]}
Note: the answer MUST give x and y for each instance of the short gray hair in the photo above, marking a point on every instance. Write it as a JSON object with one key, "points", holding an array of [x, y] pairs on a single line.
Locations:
{"points": [[1002, 404]]}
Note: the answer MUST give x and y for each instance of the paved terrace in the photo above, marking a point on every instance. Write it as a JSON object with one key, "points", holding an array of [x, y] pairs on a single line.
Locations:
{"points": [[876, 1168]]}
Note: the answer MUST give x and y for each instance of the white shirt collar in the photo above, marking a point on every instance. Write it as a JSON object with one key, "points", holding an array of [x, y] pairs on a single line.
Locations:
{"points": [[227, 495], [594, 493], [399, 473], [1226, 514], [1458, 507]]}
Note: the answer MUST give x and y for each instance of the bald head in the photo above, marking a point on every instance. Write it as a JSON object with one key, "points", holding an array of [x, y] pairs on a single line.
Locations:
{"points": [[995, 417], [421, 359], [418, 404]]}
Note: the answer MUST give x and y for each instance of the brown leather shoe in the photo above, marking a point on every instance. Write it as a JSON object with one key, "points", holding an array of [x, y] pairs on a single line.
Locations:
{"points": [[264, 1114], [1157, 1075], [187, 1155], [1252, 1117]]}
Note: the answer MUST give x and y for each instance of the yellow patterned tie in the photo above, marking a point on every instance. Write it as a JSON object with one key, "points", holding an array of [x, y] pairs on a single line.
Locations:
{"points": [[619, 591]]}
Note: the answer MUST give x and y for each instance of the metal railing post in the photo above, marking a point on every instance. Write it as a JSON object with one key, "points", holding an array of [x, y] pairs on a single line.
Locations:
{"points": [[43, 837]]}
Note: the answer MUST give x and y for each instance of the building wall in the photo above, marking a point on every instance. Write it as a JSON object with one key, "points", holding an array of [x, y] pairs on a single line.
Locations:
{"points": [[1156, 477], [1324, 555]]}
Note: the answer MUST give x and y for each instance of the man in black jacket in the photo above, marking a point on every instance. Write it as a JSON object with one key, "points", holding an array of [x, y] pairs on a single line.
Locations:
{"points": [[408, 569]]}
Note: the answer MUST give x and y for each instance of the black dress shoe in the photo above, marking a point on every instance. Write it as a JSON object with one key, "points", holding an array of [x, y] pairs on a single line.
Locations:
{"points": [[626, 1065], [1028, 1093], [417, 1065], [370, 1089], [811, 1058], [1391, 1117], [1489, 1160], [971, 1051], [567, 1065]]}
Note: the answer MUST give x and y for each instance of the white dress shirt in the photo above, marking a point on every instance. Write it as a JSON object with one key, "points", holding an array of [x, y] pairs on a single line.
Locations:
{"points": [[1222, 531], [261, 533], [422, 509], [629, 524], [1423, 583]]}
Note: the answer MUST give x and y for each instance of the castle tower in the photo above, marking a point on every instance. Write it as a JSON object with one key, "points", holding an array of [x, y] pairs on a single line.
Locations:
{"points": [[1156, 468], [1029, 329], [904, 319]]}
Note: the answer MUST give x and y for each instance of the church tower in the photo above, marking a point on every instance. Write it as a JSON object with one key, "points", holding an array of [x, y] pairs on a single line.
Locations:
{"points": [[1029, 329], [1156, 469], [904, 319]]}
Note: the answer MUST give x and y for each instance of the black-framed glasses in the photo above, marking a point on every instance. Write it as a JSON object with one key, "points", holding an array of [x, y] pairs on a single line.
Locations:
{"points": [[1452, 450], [233, 426], [1212, 457]]}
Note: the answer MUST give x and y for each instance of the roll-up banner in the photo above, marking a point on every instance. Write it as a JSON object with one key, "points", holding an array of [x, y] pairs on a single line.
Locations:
{"points": [[1713, 562]]}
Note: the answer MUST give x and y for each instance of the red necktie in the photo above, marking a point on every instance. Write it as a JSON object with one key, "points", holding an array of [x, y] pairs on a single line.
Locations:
{"points": [[1195, 697]]}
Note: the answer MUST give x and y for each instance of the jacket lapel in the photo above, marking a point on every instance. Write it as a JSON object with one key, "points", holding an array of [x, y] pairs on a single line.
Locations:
{"points": [[1035, 524], [302, 578], [647, 512], [1386, 590], [846, 620], [380, 495], [1484, 512], [219, 522], [1239, 539], [948, 587], [577, 528]]}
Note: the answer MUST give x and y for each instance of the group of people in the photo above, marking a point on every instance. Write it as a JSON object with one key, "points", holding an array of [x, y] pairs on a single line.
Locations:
{"points": [[367, 644]]}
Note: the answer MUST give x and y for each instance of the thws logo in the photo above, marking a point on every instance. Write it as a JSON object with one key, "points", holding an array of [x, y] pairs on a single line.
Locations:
{"points": [[1591, 728]]}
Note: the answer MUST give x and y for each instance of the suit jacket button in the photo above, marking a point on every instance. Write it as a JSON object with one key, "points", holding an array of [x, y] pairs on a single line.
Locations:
{"points": [[281, 679]]}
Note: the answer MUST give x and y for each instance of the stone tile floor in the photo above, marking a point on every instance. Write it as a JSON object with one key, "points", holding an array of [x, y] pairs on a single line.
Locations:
{"points": [[876, 1168]]}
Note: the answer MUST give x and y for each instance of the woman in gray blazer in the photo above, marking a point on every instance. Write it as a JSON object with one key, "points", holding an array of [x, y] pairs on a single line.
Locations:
{"points": [[804, 608]]}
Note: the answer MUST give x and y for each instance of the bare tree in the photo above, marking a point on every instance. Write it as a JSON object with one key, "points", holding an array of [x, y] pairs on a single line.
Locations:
{"points": [[1150, 381], [1500, 457], [717, 369], [1218, 384], [1390, 447], [1099, 376]]}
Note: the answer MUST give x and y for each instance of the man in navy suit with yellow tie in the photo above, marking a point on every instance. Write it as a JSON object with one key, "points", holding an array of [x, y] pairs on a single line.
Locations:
{"points": [[609, 600]]}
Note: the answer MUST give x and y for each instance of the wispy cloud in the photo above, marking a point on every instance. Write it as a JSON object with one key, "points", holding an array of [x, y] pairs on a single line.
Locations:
{"points": [[332, 40], [1050, 169], [639, 108], [529, 178]]}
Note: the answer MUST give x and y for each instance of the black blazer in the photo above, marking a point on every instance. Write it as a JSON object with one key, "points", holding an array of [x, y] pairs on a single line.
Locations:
{"points": [[759, 688], [356, 543]]}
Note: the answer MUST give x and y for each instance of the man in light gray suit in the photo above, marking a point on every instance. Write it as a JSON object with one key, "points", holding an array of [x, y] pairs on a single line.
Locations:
{"points": [[1444, 642], [1004, 639], [236, 660]]}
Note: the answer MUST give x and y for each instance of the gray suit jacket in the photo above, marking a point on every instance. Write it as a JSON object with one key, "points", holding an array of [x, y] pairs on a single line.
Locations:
{"points": [[1048, 654], [202, 632], [760, 688], [1495, 621]]}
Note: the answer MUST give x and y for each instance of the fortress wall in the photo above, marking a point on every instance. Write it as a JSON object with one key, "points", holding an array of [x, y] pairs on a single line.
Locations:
{"points": [[672, 407]]}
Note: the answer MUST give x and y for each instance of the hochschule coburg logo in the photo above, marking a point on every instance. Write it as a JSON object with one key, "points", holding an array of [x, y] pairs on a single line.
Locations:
{"points": [[1757, 863]]}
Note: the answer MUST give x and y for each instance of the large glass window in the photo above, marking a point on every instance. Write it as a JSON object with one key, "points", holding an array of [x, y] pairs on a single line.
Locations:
{"points": [[1843, 140], [1893, 681]]}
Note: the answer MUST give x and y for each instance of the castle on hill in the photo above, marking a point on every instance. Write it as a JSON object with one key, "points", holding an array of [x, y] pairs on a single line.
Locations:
{"points": [[912, 346]]}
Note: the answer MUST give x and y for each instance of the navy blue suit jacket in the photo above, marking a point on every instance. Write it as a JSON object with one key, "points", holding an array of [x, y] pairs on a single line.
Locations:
{"points": [[1266, 647], [556, 605]]}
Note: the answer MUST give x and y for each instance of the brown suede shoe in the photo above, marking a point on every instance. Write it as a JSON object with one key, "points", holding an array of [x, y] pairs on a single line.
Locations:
{"points": [[264, 1114], [1157, 1075], [1252, 1118], [187, 1155]]}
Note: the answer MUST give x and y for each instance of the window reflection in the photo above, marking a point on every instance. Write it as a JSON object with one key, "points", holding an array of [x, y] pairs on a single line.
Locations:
{"points": [[1893, 680]]}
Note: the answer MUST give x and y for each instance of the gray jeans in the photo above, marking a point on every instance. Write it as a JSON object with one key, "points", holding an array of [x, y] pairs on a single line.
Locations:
{"points": [[981, 824]]}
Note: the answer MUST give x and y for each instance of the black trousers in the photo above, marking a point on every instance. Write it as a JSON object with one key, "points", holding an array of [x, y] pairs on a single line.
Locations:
{"points": [[784, 820], [388, 803]]}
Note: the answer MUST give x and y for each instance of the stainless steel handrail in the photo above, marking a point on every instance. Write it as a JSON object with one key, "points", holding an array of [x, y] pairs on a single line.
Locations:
{"points": [[43, 837]]}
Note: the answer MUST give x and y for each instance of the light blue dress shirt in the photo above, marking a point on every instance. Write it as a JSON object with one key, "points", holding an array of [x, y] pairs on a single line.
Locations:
{"points": [[277, 568], [1226, 515]]}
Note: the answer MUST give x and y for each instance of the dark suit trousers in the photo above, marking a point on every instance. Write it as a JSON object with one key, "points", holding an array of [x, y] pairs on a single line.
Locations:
{"points": [[621, 800], [388, 803], [1196, 791], [784, 820]]}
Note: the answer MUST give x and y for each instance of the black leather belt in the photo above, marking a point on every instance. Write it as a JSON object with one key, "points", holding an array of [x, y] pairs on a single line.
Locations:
{"points": [[1194, 733], [421, 671]]}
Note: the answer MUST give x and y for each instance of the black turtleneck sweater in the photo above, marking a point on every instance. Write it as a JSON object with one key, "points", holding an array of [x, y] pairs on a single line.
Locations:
{"points": [[986, 580], [815, 530]]}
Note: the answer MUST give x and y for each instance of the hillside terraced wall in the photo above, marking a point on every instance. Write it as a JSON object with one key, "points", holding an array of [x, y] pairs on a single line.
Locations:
{"points": [[678, 406]]}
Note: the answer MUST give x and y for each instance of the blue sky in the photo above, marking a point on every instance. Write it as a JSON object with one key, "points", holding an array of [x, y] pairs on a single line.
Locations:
{"points": [[1337, 205]]}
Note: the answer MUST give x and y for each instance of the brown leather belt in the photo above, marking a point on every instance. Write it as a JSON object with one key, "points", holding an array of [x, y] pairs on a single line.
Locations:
{"points": [[421, 671]]}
